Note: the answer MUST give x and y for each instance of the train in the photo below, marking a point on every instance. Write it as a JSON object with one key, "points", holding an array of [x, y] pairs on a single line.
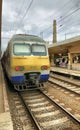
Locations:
{"points": [[26, 61]]}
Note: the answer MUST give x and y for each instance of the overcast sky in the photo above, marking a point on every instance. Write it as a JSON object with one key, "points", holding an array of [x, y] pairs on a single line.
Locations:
{"points": [[36, 17]]}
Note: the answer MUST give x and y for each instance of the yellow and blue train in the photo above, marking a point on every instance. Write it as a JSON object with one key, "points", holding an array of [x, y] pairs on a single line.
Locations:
{"points": [[26, 61]]}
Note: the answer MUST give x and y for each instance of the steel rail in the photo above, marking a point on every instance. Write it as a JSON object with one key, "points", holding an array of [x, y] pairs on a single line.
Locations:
{"points": [[65, 81], [66, 111], [31, 114], [52, 82], [51, 100]]}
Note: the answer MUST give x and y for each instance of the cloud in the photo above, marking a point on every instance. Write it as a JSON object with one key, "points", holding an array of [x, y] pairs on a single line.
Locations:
{"points": [[27, 27], [39, 18]]}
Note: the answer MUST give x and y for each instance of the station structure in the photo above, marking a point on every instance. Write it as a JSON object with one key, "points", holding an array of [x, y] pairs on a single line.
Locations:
{"points": [[67, 53], [68, 50]]}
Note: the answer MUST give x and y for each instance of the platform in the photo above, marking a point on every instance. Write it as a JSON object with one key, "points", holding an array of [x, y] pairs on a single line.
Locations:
{"points": [[5, 117], [66, 71]]}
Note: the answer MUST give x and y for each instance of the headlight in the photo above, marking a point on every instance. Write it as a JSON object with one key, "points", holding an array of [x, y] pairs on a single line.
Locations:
{"points": [[44, 67], [19, 68]]}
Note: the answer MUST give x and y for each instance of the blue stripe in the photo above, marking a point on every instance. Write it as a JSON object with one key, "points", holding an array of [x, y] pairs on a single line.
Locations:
{"points": [[20, 79], [17, 79], [44, 78]]}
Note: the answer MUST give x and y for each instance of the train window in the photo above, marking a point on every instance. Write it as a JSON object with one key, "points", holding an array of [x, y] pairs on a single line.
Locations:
{"points": [[22, 49], [39, 50]]}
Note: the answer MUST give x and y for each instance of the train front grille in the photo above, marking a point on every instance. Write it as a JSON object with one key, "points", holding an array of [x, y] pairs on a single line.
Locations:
{"points": [[32, 77]]}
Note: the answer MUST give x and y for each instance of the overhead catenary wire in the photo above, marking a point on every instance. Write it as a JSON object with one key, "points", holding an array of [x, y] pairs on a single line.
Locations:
{"points": [[59, 18], [12, 25], [21, 6], [66, 6], [69, 22], [62, 18], [26, 12], [71, 13], [63, 7]]}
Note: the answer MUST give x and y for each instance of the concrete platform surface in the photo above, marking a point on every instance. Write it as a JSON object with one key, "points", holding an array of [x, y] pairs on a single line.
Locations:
{"points": [[5, 121], [5, 117], [66, 71]]}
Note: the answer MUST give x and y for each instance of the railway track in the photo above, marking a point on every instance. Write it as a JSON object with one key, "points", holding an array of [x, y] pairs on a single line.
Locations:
{"points": [[70, 79], [66, 84], [20, 116], [34, 110], [69, 99], [48, 114]]}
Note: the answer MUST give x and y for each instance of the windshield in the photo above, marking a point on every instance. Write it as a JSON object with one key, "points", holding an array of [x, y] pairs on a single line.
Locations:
{"points": [[22, 49], [38, 50], [27, 49]]}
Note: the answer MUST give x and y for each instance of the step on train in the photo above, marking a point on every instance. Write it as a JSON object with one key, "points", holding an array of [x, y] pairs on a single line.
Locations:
{"points": [[26, 61]]}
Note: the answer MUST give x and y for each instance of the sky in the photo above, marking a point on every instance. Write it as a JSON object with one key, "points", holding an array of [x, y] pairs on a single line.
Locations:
{"points": [[36, 17]]}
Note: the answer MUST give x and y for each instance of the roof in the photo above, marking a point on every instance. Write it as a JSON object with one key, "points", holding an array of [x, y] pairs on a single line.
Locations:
{"points": [[25, 37], [63, 45]]}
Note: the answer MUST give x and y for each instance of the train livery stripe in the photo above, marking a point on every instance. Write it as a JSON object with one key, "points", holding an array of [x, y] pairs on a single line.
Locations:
{"points": [[44, 77], [20, 79], [17, 79]]}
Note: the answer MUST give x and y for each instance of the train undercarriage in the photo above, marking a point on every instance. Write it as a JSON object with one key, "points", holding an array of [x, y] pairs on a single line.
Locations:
{"points": [[31, 82]]}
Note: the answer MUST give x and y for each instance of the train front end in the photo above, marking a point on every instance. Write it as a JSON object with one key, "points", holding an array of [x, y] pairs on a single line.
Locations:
{"points": [[30, 65]]}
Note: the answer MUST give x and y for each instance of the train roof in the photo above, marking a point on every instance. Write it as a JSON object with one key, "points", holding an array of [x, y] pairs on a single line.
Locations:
{"points": [[25, 37]]}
